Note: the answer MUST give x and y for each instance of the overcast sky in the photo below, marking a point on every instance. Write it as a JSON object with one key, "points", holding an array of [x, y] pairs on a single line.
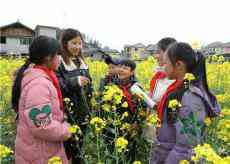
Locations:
{"points": [[118, 22]]}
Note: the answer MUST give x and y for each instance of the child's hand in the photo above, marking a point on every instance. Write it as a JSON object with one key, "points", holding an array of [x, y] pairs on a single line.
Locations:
{"points": [[83, 80], [68, 136]]}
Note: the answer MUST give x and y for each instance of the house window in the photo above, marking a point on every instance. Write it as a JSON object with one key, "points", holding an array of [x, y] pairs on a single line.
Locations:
{"points": [[3, 40], [25, 41]]}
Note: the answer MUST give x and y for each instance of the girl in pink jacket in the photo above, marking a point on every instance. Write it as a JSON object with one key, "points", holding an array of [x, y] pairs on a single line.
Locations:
{"points": [[37, 100]]}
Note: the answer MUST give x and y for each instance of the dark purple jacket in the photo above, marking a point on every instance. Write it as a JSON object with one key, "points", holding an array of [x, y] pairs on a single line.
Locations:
{"points": [[172, 144]]}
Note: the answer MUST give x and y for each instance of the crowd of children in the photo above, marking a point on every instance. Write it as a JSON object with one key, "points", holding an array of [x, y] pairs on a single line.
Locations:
{"points": [[43, 81]]}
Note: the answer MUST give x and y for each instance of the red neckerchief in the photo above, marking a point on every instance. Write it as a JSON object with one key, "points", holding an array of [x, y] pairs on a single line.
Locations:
{"points": [[54, 80], [157, 76], [160, 107], [125, 89]]}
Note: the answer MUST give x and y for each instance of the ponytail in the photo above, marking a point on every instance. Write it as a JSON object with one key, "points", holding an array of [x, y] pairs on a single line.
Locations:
{"points": [[16, 90], [200, 73], [195, 64], [199, 69], [40, 48]]}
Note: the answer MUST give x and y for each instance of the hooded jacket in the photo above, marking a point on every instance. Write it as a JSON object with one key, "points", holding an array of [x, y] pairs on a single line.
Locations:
{"points": [[176, 139], [41, 129]]}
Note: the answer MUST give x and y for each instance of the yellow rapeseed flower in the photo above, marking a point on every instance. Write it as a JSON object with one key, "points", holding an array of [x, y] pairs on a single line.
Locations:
{"points": [[184, 162], [5, 151], [220, 59], [225, 112], [222, 98], [75, 129], [55, 160], [106, 107], [114, 108], [117, 99], [117, 122], [125, 104], [125, 114], [152, 119], [214, 58], [112, 92], [137, 162], [121, 143], [98, 124], [125, 126], [189, 77], [205, 152], [223, 129], [207, 121], [173, 104]]}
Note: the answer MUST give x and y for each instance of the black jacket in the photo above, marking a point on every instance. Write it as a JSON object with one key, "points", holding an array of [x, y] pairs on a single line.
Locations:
{"points": [[79, 96]]}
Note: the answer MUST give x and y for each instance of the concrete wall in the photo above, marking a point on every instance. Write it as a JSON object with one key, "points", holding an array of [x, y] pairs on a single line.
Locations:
{"points": [[47, 32], [13, 46]]}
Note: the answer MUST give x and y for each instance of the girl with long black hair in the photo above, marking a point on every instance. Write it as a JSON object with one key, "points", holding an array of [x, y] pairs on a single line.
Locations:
{"points": [[37, 99], [184, 107], [76, 84]]}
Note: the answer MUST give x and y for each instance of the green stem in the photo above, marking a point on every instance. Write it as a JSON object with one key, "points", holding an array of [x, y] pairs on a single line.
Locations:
{"points": [[117, 159], [98, 149]]}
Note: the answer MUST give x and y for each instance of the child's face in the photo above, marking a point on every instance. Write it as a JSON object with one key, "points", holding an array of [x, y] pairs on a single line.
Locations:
{"points": [[125, 72], [52, 62], [159, 57], [55, 62], [112, 69], [74, 46], [168, 67], [173, 71]]}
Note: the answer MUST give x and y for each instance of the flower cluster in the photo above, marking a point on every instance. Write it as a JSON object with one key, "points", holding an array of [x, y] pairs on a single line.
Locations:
{"points": [[98, 124], [218, 128], [223, 130], [189, 77], [205, 152], [174, 104], [184, 162], [207, 121], [55, 160], [112, 92], [112, 99], [225, 112], [121, 144], [125, 126], [152, 119], [76, 130], [4, 151]]}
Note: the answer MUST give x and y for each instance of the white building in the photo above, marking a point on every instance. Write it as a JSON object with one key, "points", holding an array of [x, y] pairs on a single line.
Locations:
{"points": [[15, 38], [47, 31]]}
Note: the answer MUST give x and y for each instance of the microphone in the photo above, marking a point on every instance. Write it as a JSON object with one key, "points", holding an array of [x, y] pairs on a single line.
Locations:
{"points": [[137, 90]]}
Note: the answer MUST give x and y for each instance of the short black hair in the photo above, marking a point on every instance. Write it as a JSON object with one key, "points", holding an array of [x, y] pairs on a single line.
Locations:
{"points": [[164, 43], [109, 60], [128, 63], [41, 47]]}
